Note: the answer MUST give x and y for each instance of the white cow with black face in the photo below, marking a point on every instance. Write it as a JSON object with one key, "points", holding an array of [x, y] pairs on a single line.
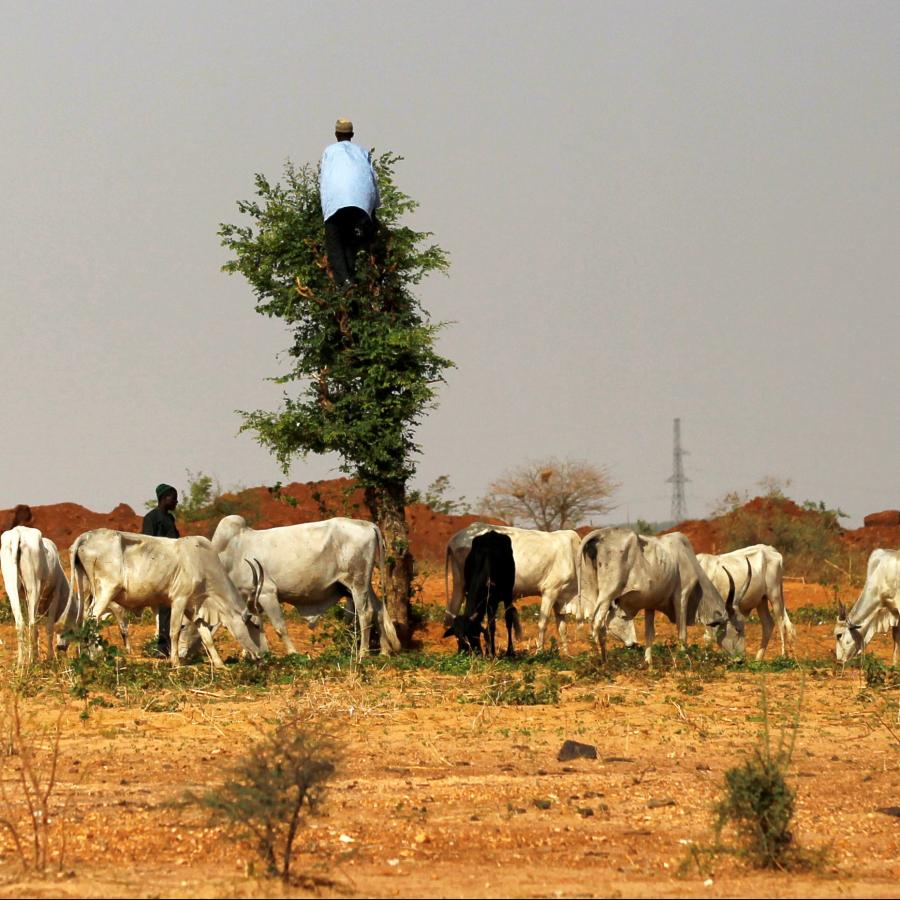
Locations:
{"points": [[876, 611], [137, 570], [757, 574], [312, 567], [545, 567], [623, 573]]}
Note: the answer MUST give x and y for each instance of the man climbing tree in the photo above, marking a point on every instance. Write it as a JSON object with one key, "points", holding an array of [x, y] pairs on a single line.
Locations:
{"points": [[364, 361], [349, 191]]}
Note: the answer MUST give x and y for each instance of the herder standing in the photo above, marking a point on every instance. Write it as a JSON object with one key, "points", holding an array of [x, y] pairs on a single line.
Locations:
{"points": [[349, 193], [160, 522]]}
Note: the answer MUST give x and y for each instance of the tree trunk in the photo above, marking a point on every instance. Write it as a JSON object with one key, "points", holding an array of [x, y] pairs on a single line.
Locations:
{"points": [[388, 507]]}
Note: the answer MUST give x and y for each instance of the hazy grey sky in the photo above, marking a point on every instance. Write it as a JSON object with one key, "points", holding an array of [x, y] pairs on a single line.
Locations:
{"points": [[652, 209]]}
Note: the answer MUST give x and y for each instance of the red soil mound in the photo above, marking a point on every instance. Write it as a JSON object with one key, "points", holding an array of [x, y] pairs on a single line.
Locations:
{"points": [[881, 529], [429, 530], [262, 507]]}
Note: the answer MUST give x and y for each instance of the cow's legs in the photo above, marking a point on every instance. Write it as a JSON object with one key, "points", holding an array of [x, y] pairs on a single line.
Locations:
{"points": [[364, 615], [561, 627], [178, 607], [511, 615], [768, 625], [492, 631], [208, 645], [602, 613], [51, 642], [550, 602], [121, 617], [895, 634], [649, 635], [268, 600], [454, 567], [16, 606]]}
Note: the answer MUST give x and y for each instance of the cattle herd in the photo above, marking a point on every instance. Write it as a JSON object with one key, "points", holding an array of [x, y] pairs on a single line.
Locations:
{"points": [[242, 574]]}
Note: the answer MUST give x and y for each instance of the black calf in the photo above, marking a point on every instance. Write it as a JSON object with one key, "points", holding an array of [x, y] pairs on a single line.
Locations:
{"points": [[489, 576]]}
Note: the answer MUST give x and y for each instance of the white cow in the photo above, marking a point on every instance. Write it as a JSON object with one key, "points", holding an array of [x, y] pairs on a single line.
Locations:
{"points": [[757, 574], [37, 587], [136, 571], [876, 610], [312, 566], [621, 572], [545, 567]]}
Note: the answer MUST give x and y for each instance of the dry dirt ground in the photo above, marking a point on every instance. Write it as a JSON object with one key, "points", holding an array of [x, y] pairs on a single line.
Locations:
{"points": [[443, 792]]}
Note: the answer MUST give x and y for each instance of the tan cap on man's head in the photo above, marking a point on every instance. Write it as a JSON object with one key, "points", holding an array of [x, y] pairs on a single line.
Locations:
{"points": [[343, 126]]}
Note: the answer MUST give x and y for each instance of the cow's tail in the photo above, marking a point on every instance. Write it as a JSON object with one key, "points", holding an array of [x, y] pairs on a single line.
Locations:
{"points": [[384, 620], [75, 611], [447, 578], [587, 583], [11, 569], [516, 623]]}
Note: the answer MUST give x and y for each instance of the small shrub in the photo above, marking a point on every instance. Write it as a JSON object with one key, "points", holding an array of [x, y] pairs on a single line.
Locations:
{"points": [[876, 674], [280, 780], [758, 802], [96, 663]]}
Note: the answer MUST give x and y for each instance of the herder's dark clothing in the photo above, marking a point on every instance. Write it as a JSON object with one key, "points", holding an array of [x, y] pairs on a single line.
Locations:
{"points": [[159, 523], [345, 232]]}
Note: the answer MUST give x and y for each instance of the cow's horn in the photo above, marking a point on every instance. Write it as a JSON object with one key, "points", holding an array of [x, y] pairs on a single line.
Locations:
{"points": [[747, 585], [729, 601], [842, 611], [258, 578]]}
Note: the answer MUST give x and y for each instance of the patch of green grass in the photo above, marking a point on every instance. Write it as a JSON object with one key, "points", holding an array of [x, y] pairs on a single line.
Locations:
{"points": [[524, 691], [815, 615]]}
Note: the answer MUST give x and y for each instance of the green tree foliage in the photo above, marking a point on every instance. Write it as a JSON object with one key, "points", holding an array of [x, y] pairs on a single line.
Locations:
{"points": [[364, 369], [437, 497]]}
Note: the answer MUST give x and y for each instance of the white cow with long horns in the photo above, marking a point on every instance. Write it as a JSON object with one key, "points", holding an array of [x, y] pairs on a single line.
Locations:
{"points": [[311, 566], [757, 574]]}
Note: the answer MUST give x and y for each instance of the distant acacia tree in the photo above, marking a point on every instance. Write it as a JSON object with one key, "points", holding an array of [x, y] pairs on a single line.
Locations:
{"points": [[551, 494], [363, 360]]}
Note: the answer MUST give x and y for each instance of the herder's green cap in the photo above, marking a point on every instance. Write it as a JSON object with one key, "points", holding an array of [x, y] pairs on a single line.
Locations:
{"points": [[163, 489]]}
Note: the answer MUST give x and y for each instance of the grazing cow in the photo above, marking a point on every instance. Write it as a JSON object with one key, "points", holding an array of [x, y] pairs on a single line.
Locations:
{"points": [[312, 566], [136, 571], [34, 579], [876, 610], [545, 564], [756, 573], [489, 577], [622, 572]]}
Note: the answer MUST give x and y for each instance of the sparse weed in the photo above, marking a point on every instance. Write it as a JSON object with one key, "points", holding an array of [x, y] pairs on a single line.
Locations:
{"points": [[29, 811], [271, 789]]}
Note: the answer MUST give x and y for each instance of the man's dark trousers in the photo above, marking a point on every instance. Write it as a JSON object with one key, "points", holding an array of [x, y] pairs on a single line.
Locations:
{"points": [[345, 232], [158, 523]]}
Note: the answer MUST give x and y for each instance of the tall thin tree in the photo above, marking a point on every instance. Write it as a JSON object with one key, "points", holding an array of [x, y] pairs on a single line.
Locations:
{"points": [[363, 361]]}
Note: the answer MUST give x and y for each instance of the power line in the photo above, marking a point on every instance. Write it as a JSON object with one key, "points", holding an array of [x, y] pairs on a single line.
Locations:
{"points": [[678, 478]]}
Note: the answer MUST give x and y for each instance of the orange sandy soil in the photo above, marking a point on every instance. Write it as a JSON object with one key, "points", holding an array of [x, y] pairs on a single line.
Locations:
{"points": [[437, 787]]}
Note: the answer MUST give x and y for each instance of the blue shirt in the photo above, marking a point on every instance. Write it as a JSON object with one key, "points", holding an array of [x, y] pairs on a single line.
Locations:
{"points": [[347, 179]]}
